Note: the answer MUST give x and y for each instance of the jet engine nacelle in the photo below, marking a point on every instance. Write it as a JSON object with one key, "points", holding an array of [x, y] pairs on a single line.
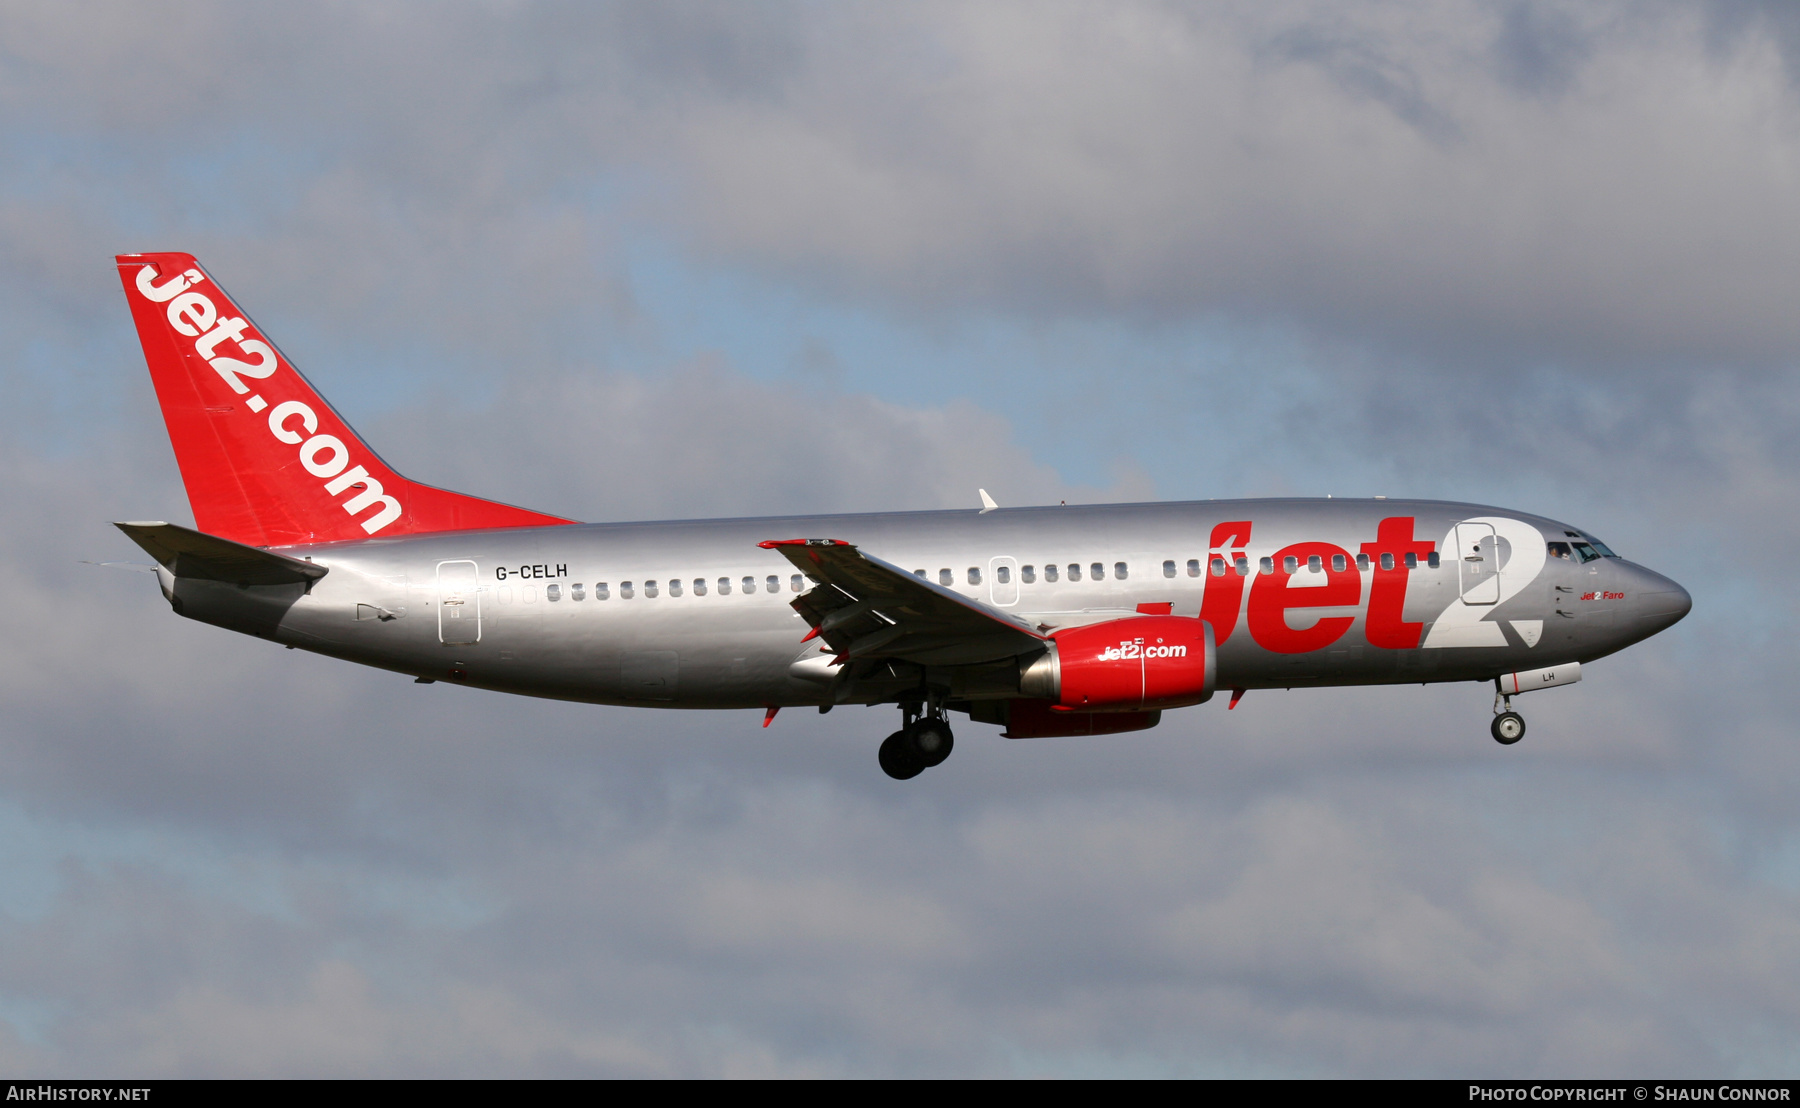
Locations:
{"points": [[1125, 665]]}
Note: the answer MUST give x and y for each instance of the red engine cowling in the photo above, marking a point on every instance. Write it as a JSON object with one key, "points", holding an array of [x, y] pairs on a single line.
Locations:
{"points": [[1135, 664]]}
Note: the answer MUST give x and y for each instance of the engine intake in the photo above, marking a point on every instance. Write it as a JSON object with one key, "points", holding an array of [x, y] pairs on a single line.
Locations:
{"points": [[1134, 664]]}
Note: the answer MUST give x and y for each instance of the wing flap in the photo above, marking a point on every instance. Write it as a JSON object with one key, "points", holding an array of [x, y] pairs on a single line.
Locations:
{"points": [[863, 607]]}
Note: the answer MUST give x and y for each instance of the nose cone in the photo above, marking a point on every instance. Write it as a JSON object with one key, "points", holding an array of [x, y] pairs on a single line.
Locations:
{"points": [[1660, 603]]}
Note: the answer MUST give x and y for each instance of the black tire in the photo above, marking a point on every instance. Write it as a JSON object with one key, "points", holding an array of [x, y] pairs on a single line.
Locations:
{"points": [[933, 740], [1508, 728], [899, 758]]}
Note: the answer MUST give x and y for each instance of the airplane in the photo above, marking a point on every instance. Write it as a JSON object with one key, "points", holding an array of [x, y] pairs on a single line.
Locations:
{"points": [[1046, 621]]}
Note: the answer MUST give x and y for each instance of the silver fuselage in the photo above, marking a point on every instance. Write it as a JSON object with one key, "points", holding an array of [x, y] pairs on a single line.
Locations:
{"points": [[589, 612]]}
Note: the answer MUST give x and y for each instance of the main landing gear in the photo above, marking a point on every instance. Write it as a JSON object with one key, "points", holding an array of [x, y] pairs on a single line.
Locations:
{"points": [[924, 741], [1508, 726]]}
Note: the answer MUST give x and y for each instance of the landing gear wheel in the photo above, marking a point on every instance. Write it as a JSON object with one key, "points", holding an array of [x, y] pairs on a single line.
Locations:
{"points": [[900, 757], [1508, 728], [932, 739]]}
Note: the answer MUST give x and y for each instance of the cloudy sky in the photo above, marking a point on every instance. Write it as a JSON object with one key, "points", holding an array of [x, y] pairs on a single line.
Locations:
{"points": [[663, 260]]}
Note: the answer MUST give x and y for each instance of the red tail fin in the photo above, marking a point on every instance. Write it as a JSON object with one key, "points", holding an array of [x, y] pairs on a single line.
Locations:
{"points": [[265, 459]]}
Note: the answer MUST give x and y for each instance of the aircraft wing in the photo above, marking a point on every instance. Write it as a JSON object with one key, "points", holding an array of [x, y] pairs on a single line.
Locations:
{"points": [[864, 607]]}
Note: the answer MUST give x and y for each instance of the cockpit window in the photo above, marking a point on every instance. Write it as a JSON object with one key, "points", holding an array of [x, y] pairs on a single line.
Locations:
{"points": [[1559, 550], [1584, 552], [1601, 547]]}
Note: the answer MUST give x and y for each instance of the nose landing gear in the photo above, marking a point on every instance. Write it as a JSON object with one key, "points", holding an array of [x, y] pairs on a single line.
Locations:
{"points": [[1508, 726], [924, 741]]}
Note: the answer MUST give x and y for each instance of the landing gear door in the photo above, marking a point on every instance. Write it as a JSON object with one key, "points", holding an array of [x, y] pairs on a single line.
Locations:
{"points": [[459, 603], [1477, 563]]}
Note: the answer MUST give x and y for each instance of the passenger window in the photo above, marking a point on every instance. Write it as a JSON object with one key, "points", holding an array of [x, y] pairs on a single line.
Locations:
{"points": [[625, 592], [1412, 560], [1169, 568], [1559, 550], [1096, 572], [505, 594], [1050, 574], [1266, 566], [1243, 566], [1121, 571], [1290, 565], [528, 594], [1003, 574], [1315, 563], [1074, 571], [1028, 574], [974, 576], [771, 583], [724, 586], [796, 583], [1338, 565], [1362, 562], [601, 592], [1193, 567], [650, 589], [674, 586], [1218, 566], [1431, 559], [576, 592], [749, 585], [919, 573], [699, 586], [946, 578], [1387, 561], [552, 593]]}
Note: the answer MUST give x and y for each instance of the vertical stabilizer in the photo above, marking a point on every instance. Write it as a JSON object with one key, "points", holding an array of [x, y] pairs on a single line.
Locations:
{"points": [[265, 459]]}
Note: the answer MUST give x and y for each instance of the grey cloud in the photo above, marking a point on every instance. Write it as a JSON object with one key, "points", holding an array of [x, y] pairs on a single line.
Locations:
{"points": [[1541, 48], [1732, 23], [1361, 69], [614, 446], [1304, 930], [1502, 184], [1206, 181]]}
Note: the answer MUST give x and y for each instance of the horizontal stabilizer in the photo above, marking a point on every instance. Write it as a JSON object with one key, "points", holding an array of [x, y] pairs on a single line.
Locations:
{"points": [[186, 552], [135, 567]]}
